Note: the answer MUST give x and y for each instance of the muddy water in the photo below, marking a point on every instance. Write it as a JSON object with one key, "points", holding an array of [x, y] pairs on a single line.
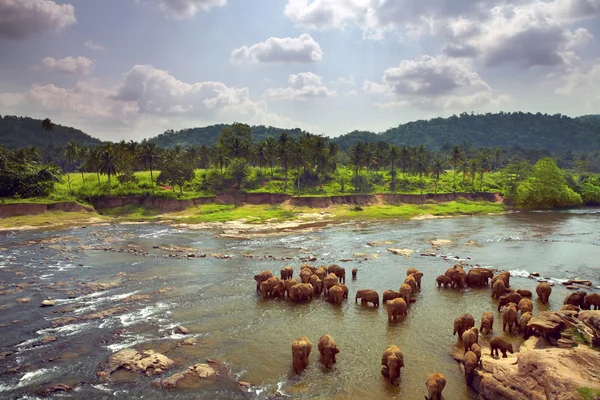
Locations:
{"points": [[215, 299]]}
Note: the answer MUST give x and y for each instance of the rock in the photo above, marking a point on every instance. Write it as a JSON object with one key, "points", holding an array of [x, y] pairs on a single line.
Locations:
{"points": [[52, 389], [539, 373], [440, 242], [164, 290], [23, 300], [547, 322], [132, 360], [571, 287], [188, 342], [182, 330], [578, 282], [401, 252], [591, 318], [565, 343], [536, 274], [121, 274], [58, 322], [47, 303], [105, 313], [48, 339], [193, 373], [346, 260], [99, 286], [382, 243], [136, 297], [244, 384]]}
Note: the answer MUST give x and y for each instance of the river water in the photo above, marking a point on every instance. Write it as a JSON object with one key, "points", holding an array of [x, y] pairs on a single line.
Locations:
{"points": [[215, 299]]}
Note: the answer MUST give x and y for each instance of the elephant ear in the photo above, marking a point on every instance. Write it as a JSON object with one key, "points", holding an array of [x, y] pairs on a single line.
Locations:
{"points": [[335, 351]]}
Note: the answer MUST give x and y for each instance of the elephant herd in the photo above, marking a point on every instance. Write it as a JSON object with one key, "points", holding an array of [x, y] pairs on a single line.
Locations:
{"points": [[516, 306]]}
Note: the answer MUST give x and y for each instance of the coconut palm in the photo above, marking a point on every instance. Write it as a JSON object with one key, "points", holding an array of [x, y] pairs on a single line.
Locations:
{"points": [[457, 158], [283, 151], [48, 126], [149, 156], [438, 168], [92, 161], [270, 151], [405, 157], [108, 162]]}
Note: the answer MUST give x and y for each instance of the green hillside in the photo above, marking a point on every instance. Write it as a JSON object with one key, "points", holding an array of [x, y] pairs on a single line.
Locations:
{"points": [[16, 132]]}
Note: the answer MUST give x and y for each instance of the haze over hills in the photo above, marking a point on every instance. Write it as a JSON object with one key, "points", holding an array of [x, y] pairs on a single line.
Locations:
{"points": [[556, 133]]}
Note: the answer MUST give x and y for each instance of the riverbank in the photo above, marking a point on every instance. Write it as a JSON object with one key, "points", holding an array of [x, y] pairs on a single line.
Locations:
{"points": [[253, 219]]}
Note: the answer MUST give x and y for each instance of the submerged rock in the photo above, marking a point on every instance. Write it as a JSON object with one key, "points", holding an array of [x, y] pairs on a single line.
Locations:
{"points": [[401, 252], [181, 329], [149, 362], [47, 303]]}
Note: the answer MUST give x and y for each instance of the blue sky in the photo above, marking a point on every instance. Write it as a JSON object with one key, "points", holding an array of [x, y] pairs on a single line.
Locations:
{"points": [[130, 69]]}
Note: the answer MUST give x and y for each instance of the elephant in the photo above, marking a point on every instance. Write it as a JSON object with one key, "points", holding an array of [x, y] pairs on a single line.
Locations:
{"points": [[317, 284], [498, 343], [523, 321], [592, 301], [338, 271], [288, 284], [512, 297], [498, 289], [278, 289], [300, 351], [321, 272], [328, 349], [389, 295], [286, 273], [524, 293], [576, 299], [301, 292], [479, 276], [344, 288], [435, 384], [260, 278], [504, 276], [470, 363], [410, 280], [469, 337], [487, 322], [525, 305], [418, 275], [509, 317], [392, 361], [543, 291], [354, 272], [396, 308], [476, 348], [406, 292], [367, 296], [458, 276], [336, 295], [443, 280], [310, 267], [305, 275], [462, 323], [329, 281], [266, 287]]}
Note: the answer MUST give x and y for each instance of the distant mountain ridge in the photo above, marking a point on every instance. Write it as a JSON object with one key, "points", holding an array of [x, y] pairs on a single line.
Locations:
{"points": [[16, 132], [555, 133]]}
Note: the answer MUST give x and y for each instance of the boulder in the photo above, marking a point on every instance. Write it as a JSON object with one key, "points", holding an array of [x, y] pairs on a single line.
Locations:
{"points": [[548, 322], [47, 303], [149, 362], [181, 330], [401, 252], [23, 300]]}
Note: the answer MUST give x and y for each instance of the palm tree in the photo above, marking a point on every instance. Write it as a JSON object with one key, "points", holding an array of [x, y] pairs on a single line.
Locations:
{"points": [[437, 169], [457, 158], [405, 157], [72, 154], [261, 156], [108, 162], [421, 163], [270, 151], [220, 156], [357, 155], [473, 168], [92, 162], [149, 156], [484, 166], [48, 126], [192, 155], [283, 150]]}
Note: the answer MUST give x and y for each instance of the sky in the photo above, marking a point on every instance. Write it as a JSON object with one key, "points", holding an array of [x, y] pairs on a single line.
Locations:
{"points": [[131, 69]]}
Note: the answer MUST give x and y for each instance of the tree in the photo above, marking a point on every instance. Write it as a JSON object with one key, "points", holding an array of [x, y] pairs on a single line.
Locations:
{"points": [[438, 168], [73, 154], [108, 162], [546, 188], [93, 161], [220, 156], [176, 172], [393, 156], [457, 158], [283, 150], [239, 171], [357, 155], [405, 157], [270, 151], [48, 126], [149, 156]]}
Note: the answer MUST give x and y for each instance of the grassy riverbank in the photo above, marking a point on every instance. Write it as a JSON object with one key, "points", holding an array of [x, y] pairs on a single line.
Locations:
{"points": [[251, 214]]}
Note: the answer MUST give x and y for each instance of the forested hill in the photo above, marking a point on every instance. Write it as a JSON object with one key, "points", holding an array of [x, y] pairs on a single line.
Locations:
{"points": [[16, 132], [556, 133], [208, 135]]}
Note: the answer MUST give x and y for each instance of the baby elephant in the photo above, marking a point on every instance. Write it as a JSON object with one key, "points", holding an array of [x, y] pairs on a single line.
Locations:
{"points": [[498, 343], [443, 280], [354, 272], [367, 296], [435, 384], [300, 351], [487, 322], [470, 337], [328, 350]]}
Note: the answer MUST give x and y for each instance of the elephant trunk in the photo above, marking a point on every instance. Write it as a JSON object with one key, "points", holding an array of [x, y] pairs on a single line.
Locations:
{"points": [[393, 371], [356, 298]]}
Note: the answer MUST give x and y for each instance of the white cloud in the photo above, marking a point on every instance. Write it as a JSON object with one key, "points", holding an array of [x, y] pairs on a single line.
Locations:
{"points": [[303, 49], [24, 18], [328, 14], [94, 46], [69, 65], [342, 80], [581, 80], [182, 9], [351, 93], [437, 82], [302, 87]]}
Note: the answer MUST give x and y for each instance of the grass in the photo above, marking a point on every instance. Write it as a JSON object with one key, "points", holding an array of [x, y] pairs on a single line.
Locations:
{"points": [[51, 218], [588, 393], [253, 214]]}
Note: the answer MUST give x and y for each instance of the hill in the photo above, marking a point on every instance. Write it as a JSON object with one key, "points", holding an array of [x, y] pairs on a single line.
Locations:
{"points": [[556, 133], [16, 132]]}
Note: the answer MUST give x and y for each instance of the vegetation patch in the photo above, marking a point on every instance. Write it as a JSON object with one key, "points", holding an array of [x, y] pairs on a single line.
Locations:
{"points": [[50, 219], [588, 393]]}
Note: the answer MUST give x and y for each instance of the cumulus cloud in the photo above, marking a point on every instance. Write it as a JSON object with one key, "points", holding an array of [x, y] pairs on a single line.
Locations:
{"points": [[302, 87], [69, 65], [328, 14], [24, 18], [432, 82], [582, 80], [182, 9], [94, 46], [302, 49]]}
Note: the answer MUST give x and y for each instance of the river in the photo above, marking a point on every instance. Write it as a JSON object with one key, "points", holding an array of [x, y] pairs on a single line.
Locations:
{"points": [[215, 299]]}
